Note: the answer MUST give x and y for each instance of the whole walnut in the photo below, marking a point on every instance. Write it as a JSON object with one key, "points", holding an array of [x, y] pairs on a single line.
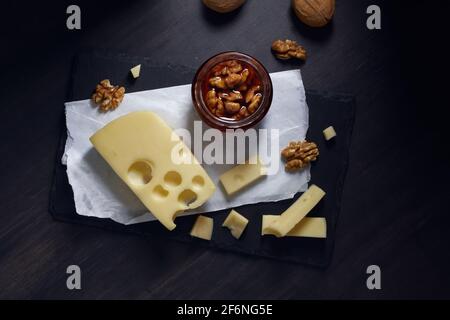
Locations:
{"points": [[223, 6], [314, 13]]}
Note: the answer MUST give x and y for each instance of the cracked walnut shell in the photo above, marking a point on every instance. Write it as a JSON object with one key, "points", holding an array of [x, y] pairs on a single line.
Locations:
{"points": [[107, 96], [298, 154], [287, 49]]}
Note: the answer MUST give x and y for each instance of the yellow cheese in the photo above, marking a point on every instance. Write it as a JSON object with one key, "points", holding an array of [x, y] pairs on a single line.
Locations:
{"points": [[136, 71], [296, 212], [241, 176], [308, 227], [203, 228], [139, 147], [236, 223], [329, 133]]}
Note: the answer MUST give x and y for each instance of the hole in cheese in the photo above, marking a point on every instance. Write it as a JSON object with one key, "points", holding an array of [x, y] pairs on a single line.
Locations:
{"points": [[159, 192], [140, 173], [198, 181], [187, 196], [172, 178]]}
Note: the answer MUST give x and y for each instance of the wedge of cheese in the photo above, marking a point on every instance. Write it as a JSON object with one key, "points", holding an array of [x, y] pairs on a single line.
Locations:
{"points": [[157, 166], [296, 212], [203, 228], [307, 227], [236, 223], [242, 175]]}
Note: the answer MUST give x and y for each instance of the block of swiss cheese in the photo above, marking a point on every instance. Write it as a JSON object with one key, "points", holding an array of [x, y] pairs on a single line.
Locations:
{"points": [[157, 166]]}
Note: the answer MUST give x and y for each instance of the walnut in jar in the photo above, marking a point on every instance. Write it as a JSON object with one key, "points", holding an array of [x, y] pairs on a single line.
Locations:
{"points": [[217, 82], [233, 80], [232, 96], [251, 93], [211, 99], [236, 87], [233, 66], [254, 103], [220, 111], [232, 107]]}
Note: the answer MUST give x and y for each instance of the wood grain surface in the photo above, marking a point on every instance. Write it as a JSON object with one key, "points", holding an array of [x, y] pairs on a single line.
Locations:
{"points": [[395, 210]]}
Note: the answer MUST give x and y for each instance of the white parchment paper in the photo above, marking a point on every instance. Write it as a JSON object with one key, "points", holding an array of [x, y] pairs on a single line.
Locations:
{"points": [[98, 192]]}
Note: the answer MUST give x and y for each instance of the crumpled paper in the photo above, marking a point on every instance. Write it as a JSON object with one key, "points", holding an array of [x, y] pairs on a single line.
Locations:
{"points": [[99, 192]]}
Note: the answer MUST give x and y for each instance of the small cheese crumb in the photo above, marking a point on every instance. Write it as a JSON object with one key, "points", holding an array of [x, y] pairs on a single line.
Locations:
{"points": [[236, 223], [329, 133], [136, 71], [203, 228]]}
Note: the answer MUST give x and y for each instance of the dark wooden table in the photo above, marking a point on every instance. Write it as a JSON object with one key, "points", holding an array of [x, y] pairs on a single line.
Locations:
{"points": [[394, 212]]}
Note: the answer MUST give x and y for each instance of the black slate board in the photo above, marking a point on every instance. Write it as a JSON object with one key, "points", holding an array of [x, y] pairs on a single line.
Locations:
{"points": [[328, 172]]}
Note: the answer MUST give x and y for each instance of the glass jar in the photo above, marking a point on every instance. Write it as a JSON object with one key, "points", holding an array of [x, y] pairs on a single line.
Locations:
{"points": [[201, 85]]}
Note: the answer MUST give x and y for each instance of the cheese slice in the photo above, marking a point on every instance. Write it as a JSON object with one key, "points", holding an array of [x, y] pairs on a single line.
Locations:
{"points": [[329, 133], [136, 71], [140, 147], [203, 228], [242, 176], [296, 212], [236, 223], [307, 227]]}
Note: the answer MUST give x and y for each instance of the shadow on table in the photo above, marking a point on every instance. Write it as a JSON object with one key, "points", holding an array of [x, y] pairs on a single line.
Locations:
{"points": [[314, 34]]}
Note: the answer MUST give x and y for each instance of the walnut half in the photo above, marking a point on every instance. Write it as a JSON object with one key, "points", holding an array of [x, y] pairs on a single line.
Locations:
{"points": [[298, 154], [107, 96], [287, 49]]}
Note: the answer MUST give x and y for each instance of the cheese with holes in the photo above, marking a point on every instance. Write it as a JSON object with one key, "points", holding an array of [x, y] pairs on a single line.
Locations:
{"points": [[242, 176], [329, 133], [157, 166], [203, 228], [136, 71], [296, 212], [307, 227], [236, 223]]}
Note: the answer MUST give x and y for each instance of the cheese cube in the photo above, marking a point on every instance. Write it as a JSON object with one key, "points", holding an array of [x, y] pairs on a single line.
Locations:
{"points": [[236, 223], [242, 176], [140, 149], [136, 71], [329, 133], [308, 227], [203, 228], [296, 212]]}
